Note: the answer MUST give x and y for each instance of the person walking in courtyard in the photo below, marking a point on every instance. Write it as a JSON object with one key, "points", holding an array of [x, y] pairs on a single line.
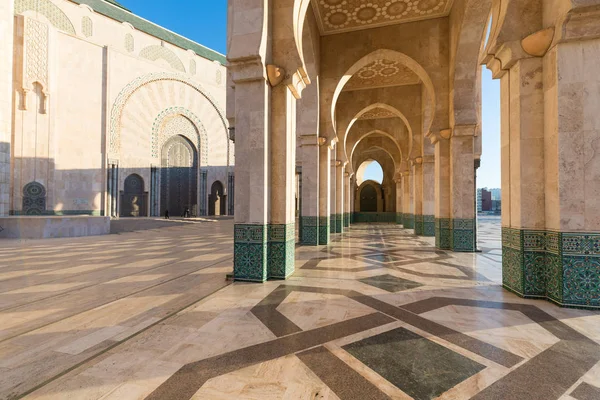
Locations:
{"points": [[167, 214]]}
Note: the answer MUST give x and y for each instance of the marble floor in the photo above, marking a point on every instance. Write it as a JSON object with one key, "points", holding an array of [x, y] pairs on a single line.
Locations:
{"points": [[379, 314]]}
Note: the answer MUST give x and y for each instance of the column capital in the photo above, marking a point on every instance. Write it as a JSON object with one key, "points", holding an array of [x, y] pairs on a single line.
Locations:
{"points": [[435, 137], [247, 69]]}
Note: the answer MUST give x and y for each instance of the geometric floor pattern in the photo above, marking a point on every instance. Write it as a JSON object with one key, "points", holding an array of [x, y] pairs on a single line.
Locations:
{"points": [[378, 314]]}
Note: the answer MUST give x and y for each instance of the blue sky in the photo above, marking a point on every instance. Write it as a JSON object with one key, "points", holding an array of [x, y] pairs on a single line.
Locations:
{"points": [[205, 21]]}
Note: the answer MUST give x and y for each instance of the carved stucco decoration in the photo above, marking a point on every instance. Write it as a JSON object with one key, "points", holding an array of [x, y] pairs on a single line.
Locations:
{"points": [[382, 73], [346, 15], [378, 113], [132, 87]]}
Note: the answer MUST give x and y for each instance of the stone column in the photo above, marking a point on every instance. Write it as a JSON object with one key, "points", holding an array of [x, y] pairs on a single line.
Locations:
{"points": [[399, 213], [442, 190], [333, 193], [462, 193], [429, 195], [409, 216], [324, 191], [282, 224], [252, 173], [417, 194], [310, 190], [6, 96], [339, 197], [347, 202], [524, 263]]}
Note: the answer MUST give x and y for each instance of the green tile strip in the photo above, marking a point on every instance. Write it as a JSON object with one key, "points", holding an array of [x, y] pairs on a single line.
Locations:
{"points": [[562, 267], [332, 226], [375, 217], [281, 250], [339, 223], [409, 221], [310, 231], [443, 233], [250, 253], [324, 230], [399, 218], [346, 220], [418, 225], [463, 235], [429, 225]]}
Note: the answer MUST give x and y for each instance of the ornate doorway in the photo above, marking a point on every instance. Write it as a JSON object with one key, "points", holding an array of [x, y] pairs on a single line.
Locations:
{"points": [[217, 199], [179, 177], [133, 199]]}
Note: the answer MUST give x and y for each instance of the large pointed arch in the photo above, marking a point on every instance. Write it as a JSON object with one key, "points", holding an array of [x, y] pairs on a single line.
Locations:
{"points": [[392, 55]]}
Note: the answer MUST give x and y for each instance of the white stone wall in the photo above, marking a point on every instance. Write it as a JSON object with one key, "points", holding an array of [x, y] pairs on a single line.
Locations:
{"points": [[107, 97]]}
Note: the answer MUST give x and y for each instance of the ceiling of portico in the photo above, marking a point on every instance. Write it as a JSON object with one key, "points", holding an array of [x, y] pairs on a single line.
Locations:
{"points": [[336, 16], [382, 73]]}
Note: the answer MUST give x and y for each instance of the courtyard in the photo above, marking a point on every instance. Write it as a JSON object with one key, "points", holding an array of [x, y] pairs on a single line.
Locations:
{"points": [[379, 313]]}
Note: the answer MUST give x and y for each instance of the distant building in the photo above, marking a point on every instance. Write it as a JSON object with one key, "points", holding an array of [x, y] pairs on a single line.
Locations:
{"points": [[489, 200]]}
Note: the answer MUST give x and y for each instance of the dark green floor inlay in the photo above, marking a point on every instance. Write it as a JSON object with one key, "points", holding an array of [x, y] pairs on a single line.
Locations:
{"points": [[390, 283], [417, 366]]}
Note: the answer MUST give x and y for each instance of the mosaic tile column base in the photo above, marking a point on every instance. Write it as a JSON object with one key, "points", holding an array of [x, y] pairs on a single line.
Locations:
{"points": [[281, 250], [332, 226], [442, 233], [399, 218], [561, 267], [310, 231], [409, 221], [339, 223], [463, 235], [346, 220], [429, 225], [250, 253], [324, 236], [418, 225]]}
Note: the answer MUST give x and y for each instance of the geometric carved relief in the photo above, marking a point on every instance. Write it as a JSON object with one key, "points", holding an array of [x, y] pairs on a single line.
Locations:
{"points": [[346, 15], [179, 121], [382, 73], [155, 52], [87, 26], [35, 61], [49, 10], [129, 43], [378, 113], [132, 87]]}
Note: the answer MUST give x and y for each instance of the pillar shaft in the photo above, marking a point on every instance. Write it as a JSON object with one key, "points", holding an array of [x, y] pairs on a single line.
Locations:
{"points": [[409, 216], [428, 196], [347, 201], [282, 174], [309, 153], [417, 195], [399, 213], [339, 198], [442, 194], [333, 193], [462, 191], [252, 180], [324, 193]]}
